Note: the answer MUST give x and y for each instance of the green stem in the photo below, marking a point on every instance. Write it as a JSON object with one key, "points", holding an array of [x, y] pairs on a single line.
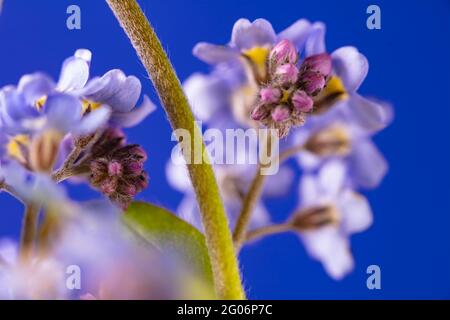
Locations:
{"points": [[218, 237], [29, 228], [268, 230]]}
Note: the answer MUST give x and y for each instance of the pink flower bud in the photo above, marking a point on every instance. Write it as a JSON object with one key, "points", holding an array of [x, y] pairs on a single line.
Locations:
{"points": [[284, 52], [301, 101], [260, 112], [134, 167], [287, 73], [269, 95], [320, 63], [114, 168], [312, 83], [138, 152], [280, 113], [108, 186]]}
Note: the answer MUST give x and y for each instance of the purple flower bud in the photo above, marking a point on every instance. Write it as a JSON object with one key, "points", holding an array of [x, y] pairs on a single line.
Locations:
{"points": [[312, 83], [301, 101], [138, 152], [320, 63], [260, 112], [128, 190], [134, 167], [284, 52], [287, 73], [280, 113], [108, 186], [114, 168], [269, 95], [142, 181]]}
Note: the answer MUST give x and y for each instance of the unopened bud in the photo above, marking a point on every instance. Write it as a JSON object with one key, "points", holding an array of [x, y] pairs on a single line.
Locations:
{"points": [[287, 74], [280, 113], [312, 82], [284, 52], [269, 95], [301, 101], [319, 63]]}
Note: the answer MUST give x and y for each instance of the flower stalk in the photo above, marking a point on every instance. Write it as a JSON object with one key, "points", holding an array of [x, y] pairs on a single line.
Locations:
{"points": [[218, 237], [29, 229]]}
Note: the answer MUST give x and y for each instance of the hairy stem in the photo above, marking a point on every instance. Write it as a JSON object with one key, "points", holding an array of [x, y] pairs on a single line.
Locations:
{"points": [[269, 230], [253, 194], [250, 200], [28, 234], [218, 237]]}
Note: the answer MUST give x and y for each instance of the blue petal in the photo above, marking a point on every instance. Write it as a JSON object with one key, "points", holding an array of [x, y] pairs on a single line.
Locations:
{"points": [[351, 66], [93, 121], [367, 165], [35, 86], [135, 116], [370, 115], [316, 40], [247, 35], [74, 72], [214, 54], [115, 89], [63, 112], [297, 33]]}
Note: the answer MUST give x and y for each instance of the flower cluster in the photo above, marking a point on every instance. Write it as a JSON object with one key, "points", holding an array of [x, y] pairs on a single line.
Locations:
{"points": [[117, 169], [288, 94], [43, 122], [290, 82]]}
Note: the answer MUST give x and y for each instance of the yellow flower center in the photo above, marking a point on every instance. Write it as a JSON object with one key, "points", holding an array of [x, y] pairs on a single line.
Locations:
{"points": [[257, 59], [333, 92], [16, 147]]}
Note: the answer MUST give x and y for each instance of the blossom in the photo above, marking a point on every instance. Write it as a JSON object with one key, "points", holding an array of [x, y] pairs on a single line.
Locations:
{"points": [[115, 168], [345, 142], [227, 96], [329, 213], [287, 96]]}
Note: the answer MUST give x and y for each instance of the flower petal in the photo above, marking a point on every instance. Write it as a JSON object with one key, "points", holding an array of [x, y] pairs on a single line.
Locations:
{"points": [[115, 89], [214, 54], [332, 177], [315, 44], [135, 116], [207, 95], [247, 35], [351, 66], [35, 86], [93, 121], [332, 249], [75, 72], [367, 164], [63, 112], [355, 211], [297, 33], [369, 114]]}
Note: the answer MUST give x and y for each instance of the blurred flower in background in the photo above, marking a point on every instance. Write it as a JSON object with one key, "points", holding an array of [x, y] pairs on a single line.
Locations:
{"points": [[290, 82]]}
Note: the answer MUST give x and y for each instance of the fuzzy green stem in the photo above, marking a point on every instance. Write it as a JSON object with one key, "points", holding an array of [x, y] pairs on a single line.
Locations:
{"points": [[218, 237], [29, 228], [268, 230]]}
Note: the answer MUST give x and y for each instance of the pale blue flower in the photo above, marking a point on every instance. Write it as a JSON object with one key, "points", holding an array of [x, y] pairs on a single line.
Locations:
{"points": [[348, 213]]}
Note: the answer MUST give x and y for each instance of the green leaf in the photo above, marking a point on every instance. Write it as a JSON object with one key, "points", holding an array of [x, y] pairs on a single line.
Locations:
{"points": [[166, 231]]}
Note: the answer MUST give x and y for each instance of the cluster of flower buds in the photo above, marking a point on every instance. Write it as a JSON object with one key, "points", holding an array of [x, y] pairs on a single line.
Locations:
{"points": [[288, 94], [117, 168]]}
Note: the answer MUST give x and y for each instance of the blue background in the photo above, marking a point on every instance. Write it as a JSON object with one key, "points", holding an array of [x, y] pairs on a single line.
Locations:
{"points": [[410, 64]]}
